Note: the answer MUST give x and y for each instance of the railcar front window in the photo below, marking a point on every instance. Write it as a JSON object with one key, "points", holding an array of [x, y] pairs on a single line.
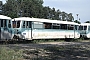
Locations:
{"points": [[16, 24], [85, 27], [80, 27]]}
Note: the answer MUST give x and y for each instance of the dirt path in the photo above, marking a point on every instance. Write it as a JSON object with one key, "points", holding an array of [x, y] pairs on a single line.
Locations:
{"points": [[54, 50]]}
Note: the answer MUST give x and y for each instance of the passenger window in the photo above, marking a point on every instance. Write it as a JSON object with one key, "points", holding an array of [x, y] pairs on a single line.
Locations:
{"points": [[9, 24], [70, 27], [38, 25], [56, 26], [63, 26], [47, 25]]}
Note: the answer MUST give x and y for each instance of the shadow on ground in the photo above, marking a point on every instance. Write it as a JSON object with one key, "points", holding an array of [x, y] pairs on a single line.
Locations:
{"points": [[66, 51]]}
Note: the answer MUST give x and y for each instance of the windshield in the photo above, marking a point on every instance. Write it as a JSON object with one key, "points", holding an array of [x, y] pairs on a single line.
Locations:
{"points": [[16, 24], [80, 27], [85, 27]]}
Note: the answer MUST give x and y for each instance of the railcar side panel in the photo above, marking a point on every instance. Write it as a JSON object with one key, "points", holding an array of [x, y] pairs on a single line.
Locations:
{"points": [[49, 34]]}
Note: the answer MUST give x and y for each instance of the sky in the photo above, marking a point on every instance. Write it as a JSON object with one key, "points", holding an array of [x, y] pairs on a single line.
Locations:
{"points": [[80, 7]]}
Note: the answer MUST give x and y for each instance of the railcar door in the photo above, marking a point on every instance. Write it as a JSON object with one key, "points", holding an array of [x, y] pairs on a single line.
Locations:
{"points": [[5, 32], [27, 30], [9, 27], [4, 29]]}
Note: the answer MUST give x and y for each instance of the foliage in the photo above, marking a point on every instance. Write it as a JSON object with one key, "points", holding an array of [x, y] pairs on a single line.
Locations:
{"points": [[76, 21], [1, 7], [10, 54], [87, 22], [34, 8]]}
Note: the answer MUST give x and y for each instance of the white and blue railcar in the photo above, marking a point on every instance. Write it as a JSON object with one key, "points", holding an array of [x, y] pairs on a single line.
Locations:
{"points": [[35, 28], [84, 30], [5, 28]]}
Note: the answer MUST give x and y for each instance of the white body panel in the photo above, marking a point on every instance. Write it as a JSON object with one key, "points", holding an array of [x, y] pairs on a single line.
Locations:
{"points": [[49, 35]]}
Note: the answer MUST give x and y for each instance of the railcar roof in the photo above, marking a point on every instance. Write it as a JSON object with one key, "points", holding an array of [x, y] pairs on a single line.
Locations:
{"points": [[4, 17], [43, 20], [83, 24]]}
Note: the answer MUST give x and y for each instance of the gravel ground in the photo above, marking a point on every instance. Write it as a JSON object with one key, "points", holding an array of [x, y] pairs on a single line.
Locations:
{"points": [[54, 50]]}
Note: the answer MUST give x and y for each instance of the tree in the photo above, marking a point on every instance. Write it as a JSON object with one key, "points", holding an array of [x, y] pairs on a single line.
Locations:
{"points": [[16, 8], [87, 22], [33, 8], [1, 7], [10, 8], [70, 17], [76, 21]]}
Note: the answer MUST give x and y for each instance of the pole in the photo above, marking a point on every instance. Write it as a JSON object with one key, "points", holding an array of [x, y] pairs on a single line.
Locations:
{"points": [[77, 16]]}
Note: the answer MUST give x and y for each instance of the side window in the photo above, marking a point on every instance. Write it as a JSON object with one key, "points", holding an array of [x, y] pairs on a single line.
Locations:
{"points": [[70, 27], [47, 25], [56, 26], [63, 26], [9, 24], [38, 25]]}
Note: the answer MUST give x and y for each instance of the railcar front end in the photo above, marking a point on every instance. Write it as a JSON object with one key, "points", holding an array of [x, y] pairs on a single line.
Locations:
{"points": [[6, 31]]}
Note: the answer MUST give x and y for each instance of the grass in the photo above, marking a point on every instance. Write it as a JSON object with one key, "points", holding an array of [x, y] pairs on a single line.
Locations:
{"points": [[9, 54], [47, 40]]}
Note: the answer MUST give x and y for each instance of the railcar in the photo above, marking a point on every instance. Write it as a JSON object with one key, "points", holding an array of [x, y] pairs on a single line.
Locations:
{"points": [[5, 28], [84, 30], [35, 28]]}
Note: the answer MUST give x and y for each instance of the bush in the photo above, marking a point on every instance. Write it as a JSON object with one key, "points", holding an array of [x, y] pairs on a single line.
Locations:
{"points": [[10, 54]]}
